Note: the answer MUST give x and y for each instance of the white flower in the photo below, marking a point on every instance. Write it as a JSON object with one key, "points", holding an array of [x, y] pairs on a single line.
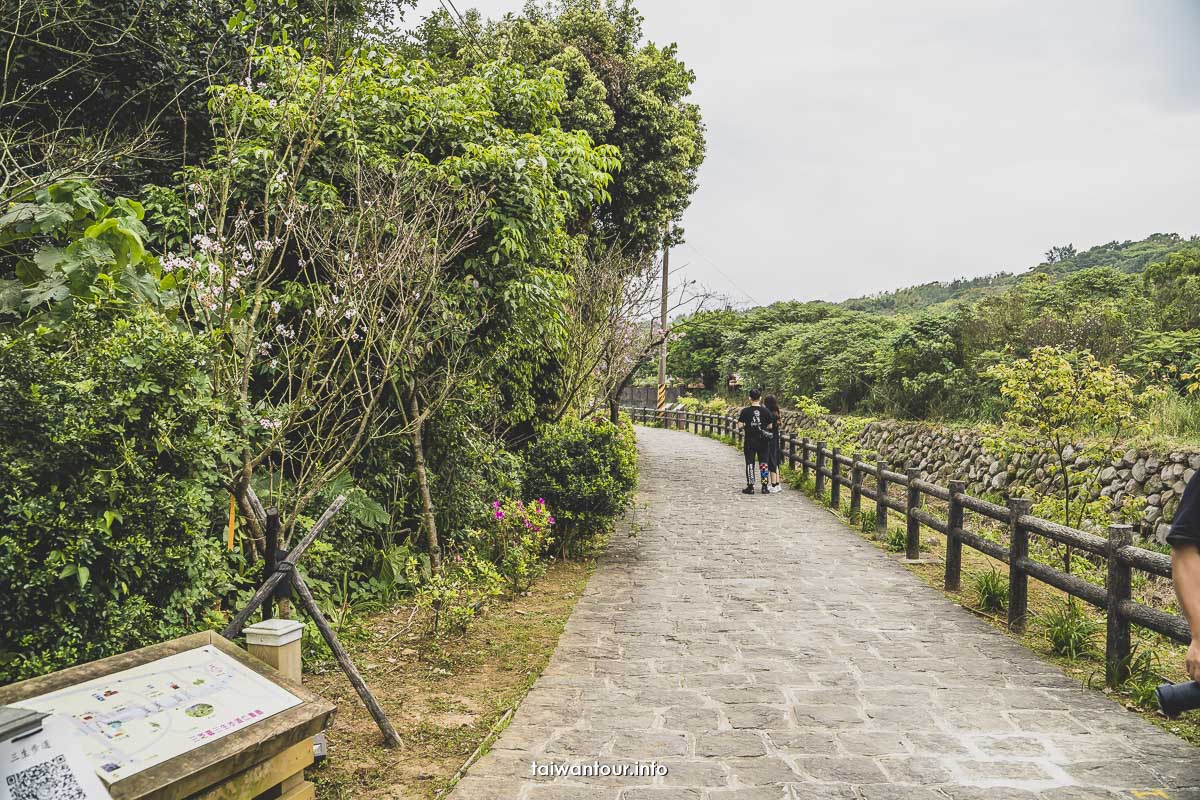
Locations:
{"points": [[270, 424], [275, 306]]}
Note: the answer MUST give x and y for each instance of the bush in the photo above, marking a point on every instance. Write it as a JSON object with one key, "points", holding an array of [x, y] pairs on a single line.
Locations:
{"points": [[455, 596], [1070, 630], [109, 457], [587, 472], [991, 590], [516, 539]]}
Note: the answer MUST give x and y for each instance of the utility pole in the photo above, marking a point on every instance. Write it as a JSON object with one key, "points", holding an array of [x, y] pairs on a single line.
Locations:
{"points": [[662, 322]]}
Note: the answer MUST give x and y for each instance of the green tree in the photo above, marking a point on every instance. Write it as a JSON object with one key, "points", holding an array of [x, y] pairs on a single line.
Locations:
{"points": [[696, 353], [621, 90], [919, 366], [1072, 412]]}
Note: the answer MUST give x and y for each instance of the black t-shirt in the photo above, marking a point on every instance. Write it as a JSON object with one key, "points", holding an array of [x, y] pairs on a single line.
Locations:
{"points": [[758, 422], [1185, 528]]}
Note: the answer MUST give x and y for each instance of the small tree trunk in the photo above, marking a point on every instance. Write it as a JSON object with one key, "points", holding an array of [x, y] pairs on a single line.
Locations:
{"points": [[431, 534], [1066, 510]]}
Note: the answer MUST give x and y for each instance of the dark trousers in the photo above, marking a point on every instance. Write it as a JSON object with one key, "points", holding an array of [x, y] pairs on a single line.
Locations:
{"points": [[756, 461]]}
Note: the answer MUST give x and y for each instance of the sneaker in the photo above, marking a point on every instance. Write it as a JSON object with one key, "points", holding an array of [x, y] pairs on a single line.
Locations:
{"points": [[776, 488], [765, 490], [748, 490]]}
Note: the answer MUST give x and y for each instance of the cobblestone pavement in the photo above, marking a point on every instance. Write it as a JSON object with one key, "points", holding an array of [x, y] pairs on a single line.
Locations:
{"points": [[757, 648]]}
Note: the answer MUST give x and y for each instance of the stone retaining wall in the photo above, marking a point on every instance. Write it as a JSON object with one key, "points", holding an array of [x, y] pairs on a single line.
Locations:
{"points": [[943, 454]]}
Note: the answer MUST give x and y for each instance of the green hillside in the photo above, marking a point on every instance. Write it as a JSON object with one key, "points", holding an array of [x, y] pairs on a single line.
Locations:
{"points": [[1128, 257]]}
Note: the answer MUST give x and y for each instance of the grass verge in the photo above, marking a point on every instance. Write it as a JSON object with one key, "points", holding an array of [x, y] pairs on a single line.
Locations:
{"points": [[445, 697]]}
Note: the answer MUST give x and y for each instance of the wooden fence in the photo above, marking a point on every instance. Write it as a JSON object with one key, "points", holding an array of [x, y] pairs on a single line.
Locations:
{"points": [[834, 471]]}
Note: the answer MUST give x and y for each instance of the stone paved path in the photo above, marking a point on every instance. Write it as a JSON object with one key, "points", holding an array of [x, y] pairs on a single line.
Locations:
{"points": [[758, 649]]}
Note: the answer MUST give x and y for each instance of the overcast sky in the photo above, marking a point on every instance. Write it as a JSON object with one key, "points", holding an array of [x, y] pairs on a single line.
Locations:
{"points": [[862, 145]]}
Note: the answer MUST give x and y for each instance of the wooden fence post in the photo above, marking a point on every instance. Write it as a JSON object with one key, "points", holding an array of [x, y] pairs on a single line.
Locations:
{"points": [[855, 488], [954, 521], [835, 486], [277, 642], [804, 458], [912, 540], [792, 450], [881, 493], [820, 470], [1018, 551], [1118, 590]]}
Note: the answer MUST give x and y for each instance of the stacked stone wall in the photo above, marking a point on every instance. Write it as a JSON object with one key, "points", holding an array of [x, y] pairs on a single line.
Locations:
{"points": [[943, 454]]}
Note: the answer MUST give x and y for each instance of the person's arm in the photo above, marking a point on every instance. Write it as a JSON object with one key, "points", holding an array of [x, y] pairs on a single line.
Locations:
{"points": [[1185, 572]]}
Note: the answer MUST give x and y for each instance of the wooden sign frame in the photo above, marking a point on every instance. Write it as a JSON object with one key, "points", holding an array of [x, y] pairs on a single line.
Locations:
{"points": [[210, 763]]}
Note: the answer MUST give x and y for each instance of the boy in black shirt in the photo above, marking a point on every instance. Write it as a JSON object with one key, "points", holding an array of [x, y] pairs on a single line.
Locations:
{"points": [[1184, 538], [756, 422]]}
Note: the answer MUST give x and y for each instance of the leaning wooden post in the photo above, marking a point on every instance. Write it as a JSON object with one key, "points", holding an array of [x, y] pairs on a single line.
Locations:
{"points": [[1118, 592], [820, 471], [835, 486], [792, 450], [881, 496], [954, 522], [1018, 552], [912, 539], [390, 737], [855, 487]]}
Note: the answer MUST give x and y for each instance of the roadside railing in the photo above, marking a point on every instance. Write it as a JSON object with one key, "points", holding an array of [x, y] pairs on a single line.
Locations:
{"points": [[833, 471]]}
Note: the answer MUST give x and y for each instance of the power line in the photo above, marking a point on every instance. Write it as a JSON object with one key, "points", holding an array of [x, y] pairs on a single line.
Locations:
{"points": [[721, 272], [460, 22]]}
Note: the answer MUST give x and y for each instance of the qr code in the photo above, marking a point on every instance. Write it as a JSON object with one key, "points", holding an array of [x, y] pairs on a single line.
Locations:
{"points": [[50, 780]]}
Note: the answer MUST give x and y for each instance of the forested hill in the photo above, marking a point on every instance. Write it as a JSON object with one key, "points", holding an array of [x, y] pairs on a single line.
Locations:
{"points": [[1128, 257]]}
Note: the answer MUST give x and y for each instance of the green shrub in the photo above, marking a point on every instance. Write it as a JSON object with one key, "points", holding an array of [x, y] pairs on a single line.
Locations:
{"points": [[516, 539], [991, 590], [69, 247], [1070, 630], [586, 470], [453, 598], [109, 457], [897, 540]]}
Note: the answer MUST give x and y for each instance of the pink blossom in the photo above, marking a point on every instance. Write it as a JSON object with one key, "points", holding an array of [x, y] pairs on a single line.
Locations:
{"points": [[551, 520], [499, 514]]}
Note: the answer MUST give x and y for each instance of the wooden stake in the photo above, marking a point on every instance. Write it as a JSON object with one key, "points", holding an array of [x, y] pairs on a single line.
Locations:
{"points": [[390, 737]]}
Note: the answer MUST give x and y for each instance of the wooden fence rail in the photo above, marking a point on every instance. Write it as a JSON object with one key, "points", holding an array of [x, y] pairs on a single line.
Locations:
{"points": [[833, 470]]}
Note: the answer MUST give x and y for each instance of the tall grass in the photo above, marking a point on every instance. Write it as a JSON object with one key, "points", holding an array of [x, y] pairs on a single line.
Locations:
{"points": [[1175, 416]]}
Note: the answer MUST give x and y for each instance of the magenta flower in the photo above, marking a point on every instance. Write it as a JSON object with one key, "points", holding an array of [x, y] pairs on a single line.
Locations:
{"points": [[541, 502], [496, 504], [552, 520], [499, 514]]}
